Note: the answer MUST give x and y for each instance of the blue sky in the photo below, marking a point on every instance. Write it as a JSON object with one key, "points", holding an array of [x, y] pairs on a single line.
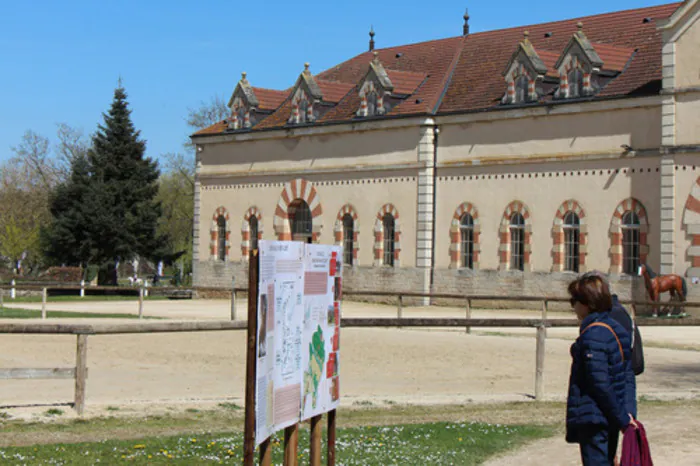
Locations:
{"points": [[60, 61]]}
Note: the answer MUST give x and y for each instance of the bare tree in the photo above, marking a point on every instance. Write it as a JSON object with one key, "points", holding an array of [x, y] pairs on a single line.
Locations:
{"points": [[208, 113], [72, 143]]}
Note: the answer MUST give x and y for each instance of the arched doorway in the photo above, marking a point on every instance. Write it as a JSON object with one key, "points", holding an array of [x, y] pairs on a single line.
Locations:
{"points": [[300, 221]]}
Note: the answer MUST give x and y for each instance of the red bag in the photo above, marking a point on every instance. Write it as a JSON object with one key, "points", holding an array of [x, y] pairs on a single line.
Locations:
{"points": [[635, 447]]}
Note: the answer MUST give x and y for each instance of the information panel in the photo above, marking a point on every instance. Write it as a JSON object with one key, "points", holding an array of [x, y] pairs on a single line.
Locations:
{"points": [[298, 334]]}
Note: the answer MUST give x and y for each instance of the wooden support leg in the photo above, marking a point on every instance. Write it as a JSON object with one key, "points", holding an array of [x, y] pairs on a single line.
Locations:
{"points": [[315, 459], [80, 374]]}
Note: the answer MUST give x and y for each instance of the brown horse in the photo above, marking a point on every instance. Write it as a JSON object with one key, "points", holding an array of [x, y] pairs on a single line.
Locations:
{"points": [[655, 285]]}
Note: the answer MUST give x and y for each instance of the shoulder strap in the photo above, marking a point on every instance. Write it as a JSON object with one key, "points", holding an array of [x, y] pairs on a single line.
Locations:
{"points": [[601, 324]]}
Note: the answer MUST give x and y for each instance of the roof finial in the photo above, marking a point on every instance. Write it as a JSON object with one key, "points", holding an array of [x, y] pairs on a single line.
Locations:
{"points": [[579, 25], [243, 76], [306, 67], [526, 35], [371, 38], [376, 57], [465, 28]]}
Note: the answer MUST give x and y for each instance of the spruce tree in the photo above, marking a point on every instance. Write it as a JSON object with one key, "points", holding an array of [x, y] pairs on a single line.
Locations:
{"points": [[107, 212], [125, 185]]}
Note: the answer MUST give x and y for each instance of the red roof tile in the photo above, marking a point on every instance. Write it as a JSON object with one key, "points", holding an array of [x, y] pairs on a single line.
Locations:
{"points": [[269, 99], [333, 91], [405, 82], [461, 74]]}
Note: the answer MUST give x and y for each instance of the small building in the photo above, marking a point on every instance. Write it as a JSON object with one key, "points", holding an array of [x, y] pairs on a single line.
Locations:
{"points": [[501, 162]]}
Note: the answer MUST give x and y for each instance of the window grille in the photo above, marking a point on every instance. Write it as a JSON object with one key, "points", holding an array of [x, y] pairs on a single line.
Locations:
{"points": [[466, 230], [517, 242], [389, 244], [630, 243], [221, 238], [253, 228], [348, 238], [571, 242], [301, 221]]}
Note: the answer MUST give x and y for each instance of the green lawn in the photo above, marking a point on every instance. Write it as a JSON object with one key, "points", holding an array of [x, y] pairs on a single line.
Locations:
{"points": [[442, 443], [12, 313]]}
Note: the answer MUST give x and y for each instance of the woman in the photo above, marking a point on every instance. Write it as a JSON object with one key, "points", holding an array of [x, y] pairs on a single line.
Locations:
{"points": [[602, 392]]}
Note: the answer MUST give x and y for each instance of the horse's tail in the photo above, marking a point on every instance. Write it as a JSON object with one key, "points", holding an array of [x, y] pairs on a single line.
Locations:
{"points": [[685, 288]]}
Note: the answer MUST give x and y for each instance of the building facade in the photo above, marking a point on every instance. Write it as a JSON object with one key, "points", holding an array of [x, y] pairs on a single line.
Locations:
{"points": [[502, 162]]}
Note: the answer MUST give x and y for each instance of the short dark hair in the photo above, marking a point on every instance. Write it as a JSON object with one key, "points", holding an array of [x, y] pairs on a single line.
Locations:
{"points": [[591, 291]]}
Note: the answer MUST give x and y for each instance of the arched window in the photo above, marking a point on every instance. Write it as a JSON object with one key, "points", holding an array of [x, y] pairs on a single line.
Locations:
{"points": [[253, 228], [571, 242], [389, 245], [300, 221], [348, 238], [522, 89], [221, 238], [630, 243], [575, 79], [466, 234], [517, 242]]}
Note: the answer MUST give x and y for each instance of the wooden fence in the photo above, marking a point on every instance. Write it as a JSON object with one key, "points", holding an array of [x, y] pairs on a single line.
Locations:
{"points": [[82, 331]]}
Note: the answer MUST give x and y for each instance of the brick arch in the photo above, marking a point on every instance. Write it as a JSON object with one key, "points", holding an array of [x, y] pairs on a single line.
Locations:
{"points": [[504, 233], [691, 220], [297, 189], [558, 235], [628, 205], [338, 230], [379, 235], [455, 235], [245, 230], [214, 233]]}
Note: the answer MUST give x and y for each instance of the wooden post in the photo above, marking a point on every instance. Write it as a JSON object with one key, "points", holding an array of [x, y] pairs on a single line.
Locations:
{"points": [[468, 313], [249, 426], [331, 438], [141, 302], [43, 303], [315, 454], [80, 374], [399, 309], [539, 369], [265, 453], [291, 444]]}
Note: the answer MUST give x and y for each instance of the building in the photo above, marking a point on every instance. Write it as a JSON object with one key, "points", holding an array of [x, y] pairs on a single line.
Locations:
{"points": [[501, 162]]}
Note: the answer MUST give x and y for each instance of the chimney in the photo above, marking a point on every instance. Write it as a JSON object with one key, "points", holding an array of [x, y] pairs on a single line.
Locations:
{"points": [[465, 28], [371, 38]]}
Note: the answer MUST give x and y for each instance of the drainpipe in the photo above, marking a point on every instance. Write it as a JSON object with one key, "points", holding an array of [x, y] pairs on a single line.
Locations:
{"points": [[436, 132]]}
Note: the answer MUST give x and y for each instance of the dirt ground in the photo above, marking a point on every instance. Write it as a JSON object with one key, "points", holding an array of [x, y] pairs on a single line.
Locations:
{"points": [[149, 372]]}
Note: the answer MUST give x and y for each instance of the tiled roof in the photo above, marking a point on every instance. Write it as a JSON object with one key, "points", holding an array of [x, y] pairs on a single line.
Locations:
{"points": [[269, 99], [478, 82], [462, 74]]}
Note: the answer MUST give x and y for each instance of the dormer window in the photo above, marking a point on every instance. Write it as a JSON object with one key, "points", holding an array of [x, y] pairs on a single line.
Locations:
{"points": [[375, 86], [240, 115], [524, 70], [577, 65], [302, 109]]}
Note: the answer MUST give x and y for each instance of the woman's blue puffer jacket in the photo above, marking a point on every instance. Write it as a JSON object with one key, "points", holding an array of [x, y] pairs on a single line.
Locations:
{"points": [[602, 389]]}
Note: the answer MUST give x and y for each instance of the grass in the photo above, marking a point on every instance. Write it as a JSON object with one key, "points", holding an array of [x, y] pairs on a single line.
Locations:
{"points": [[440, 443], [13, 313], [54, 412]]}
